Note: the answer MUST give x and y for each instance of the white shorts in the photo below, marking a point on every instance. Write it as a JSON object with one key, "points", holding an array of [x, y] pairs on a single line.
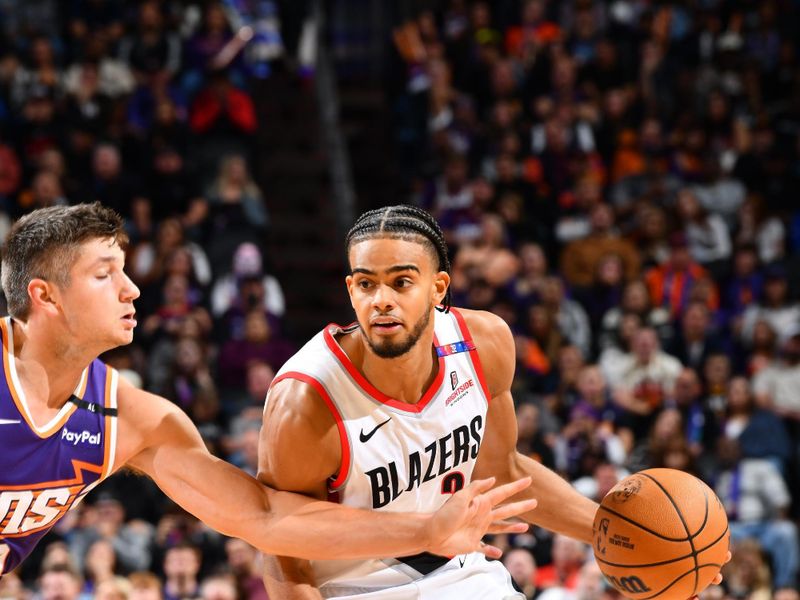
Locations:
{"points": [[477, 579]]}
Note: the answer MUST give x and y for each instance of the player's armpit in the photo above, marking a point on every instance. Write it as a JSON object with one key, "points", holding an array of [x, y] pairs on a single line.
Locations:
{"points": [[561, 508]]}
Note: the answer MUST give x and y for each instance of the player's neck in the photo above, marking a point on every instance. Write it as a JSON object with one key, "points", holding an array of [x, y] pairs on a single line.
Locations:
{"points": [[48, 368], [407, 377]]}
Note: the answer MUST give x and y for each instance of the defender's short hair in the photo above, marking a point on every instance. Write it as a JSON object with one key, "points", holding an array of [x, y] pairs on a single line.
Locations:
{"points": [[44, 245]]}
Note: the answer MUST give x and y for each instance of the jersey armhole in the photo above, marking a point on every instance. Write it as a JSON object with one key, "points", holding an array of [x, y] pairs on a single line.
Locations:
{"points": [[340, 478], [474, 358], [109, 453]]}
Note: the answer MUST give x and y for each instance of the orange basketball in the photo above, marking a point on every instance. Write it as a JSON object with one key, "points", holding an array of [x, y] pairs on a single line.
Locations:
{"points": [[661, 533]]}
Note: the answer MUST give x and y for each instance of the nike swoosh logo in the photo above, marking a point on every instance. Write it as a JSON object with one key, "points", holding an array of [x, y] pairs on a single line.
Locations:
{"points": [[364, 437], [462, 560], [9, 421]]}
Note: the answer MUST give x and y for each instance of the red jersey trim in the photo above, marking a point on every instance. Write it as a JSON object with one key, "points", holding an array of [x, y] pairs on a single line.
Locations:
{"points": [[344, 469], [370, 389], [473, 354]]}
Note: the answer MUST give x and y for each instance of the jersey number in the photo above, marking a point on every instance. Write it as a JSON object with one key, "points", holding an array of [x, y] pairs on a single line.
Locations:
{"points": [[452, 482]]}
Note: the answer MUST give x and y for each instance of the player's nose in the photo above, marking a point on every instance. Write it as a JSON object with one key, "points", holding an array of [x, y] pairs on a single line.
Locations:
{"points": [[383, 297], [130, 291]]}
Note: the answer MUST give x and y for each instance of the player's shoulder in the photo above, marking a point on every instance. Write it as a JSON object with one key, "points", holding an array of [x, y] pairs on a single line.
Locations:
{"points": [[486, 327]]}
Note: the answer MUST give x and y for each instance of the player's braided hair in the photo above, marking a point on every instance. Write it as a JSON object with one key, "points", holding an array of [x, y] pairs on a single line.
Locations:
{"points": [[403, 221]]}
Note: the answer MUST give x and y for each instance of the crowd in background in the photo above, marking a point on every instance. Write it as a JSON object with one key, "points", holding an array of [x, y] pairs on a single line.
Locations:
{"points": [[618, 180], [148, 107]]}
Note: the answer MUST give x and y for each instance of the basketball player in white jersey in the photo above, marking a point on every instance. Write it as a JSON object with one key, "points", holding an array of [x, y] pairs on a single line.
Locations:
{"points": [[397, 412], [67, 421]]}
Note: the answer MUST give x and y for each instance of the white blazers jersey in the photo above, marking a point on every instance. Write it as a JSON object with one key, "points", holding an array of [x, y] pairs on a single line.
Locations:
{"points": [[397, 456]]}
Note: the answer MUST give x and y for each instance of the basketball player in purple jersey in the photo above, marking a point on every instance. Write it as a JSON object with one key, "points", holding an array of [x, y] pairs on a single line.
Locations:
{"points": [[67, 421], [403, 408]]}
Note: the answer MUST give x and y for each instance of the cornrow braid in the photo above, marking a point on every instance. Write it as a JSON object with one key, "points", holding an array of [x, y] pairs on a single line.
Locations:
{"points": [[403, 221]]}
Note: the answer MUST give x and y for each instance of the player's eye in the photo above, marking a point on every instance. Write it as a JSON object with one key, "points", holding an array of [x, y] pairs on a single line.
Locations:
{"points": [[403, 282], [365, 284]]}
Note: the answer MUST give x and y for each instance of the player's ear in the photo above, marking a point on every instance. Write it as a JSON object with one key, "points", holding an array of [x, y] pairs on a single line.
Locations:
{"points": [[43, 294], [441, 282], [349, 283]]}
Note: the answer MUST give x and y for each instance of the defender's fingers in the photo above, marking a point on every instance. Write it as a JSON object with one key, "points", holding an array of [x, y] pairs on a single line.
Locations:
{"points": [[507, 527], [513, 509], [501, 492], [490, 551], [479, 486]]}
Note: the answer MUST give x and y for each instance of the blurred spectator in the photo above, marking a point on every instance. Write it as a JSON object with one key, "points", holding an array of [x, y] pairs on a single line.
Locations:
{"points": [[225, 114], [181, 567], [580, 258], [116, 588], [259, 342], [777, 308], [701, 424], [151, 51], [664, 435], [110, 184], [706, 234], [105, 520], [100, 565], [760, 433], [526, 287], [600, 483], [756, 500], [605, 292], [145, 586], [219, 587], [60, 582], [205, 49], [522, 567], [45, 191], [569, 315], [531, 440], [777, 386], [245, 562], [568, 557], [745, 286], [42, 76], [671, 284], [568, 368], [236, 204], [114, 77], [747, 575], [646, 375], [695, 339], [149, 261], [635, 300], [767, 233], [245, 287]]}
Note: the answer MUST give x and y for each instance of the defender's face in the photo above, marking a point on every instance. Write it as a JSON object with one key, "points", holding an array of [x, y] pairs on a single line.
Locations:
{"points": [[393, 288], [98, 302]]}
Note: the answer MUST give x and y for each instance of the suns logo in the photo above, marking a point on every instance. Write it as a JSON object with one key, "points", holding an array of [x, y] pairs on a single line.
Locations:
{"points": [[27, 509]]}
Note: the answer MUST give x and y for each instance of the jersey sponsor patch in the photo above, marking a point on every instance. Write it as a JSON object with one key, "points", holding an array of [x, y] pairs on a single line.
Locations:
{"points": [[81, 437]]}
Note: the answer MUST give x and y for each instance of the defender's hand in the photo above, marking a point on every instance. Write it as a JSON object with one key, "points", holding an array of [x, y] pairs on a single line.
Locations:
{"points": [[457, 527]]}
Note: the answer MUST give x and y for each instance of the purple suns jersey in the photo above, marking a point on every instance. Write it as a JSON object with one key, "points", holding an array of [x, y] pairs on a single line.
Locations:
{"points": [[45, 471]]}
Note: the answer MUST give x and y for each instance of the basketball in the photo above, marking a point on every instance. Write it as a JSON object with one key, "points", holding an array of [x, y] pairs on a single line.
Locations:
{"points": [[660, 533]]}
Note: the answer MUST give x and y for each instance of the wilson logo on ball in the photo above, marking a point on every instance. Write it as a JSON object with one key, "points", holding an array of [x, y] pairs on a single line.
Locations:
{"points": [[631, 584]]}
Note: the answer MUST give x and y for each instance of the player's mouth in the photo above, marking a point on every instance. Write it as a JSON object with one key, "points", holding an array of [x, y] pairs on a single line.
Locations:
{"points": [[386, 325], [129, 319]]}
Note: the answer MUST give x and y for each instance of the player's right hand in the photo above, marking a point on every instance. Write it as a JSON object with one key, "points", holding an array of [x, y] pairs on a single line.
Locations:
{"points": [[458, 526]]}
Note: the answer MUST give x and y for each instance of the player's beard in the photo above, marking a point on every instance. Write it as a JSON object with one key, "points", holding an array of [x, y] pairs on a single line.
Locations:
{"points": [[392, 349]]}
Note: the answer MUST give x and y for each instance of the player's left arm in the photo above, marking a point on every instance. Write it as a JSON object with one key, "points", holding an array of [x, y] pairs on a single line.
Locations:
{"points": [[561, 508]]}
